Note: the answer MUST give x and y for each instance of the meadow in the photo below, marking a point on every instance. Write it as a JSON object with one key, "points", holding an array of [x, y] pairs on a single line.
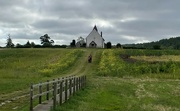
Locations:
{"points": [[21, 67], [145, 80], [116, 84]]}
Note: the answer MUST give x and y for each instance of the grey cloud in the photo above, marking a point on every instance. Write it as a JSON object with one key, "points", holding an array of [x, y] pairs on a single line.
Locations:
{"points": [[64, 20]]}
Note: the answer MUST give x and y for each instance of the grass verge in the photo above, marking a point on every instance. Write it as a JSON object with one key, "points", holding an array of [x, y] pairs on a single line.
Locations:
{"points": [[128, 94]]}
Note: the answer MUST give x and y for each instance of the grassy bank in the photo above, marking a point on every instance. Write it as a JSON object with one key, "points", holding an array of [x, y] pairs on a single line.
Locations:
{"points": [[126, 94]]}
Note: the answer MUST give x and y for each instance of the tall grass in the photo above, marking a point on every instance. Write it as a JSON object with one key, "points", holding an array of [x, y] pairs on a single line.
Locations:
{"points": [[149, 52], [20, 67], [112, 64]]}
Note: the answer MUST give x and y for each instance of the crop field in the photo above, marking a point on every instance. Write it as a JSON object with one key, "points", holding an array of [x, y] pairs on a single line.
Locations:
{"points": [[163, 58], [122, 63], [118, 79]]}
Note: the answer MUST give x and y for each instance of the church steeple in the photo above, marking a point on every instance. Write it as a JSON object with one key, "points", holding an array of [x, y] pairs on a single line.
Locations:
{"points": [[95, 28]]}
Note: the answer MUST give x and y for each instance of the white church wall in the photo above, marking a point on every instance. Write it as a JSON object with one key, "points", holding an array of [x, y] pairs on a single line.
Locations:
{"points": [[96, 37]]}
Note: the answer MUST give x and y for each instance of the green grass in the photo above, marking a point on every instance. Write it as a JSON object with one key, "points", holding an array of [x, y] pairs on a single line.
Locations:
{"points": [[113, 64], [163, 58], [14, 68], [127, 92], [21, 67]]}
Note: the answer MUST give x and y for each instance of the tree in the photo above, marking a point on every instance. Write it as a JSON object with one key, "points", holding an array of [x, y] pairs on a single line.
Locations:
{"points": [[45, 40], [118, 45], [73, 43], [157, 47], [9, 43], [19, 45], [32, 44], [109, 45], [80, 42], [27, 45]]}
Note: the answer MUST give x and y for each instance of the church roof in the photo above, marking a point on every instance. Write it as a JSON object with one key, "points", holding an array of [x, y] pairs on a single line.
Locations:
{"points": [[95, 28]]}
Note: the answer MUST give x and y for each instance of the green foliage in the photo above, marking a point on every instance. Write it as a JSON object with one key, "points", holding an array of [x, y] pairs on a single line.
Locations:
{"points": [[28, 45], [156, 47], [118, 45], [33, 44], [171, 43], [45, 40], [24, 66], [62, 64], [148, 52], [81, 42], [109, 45], [73, 43], [112, 64], [9, 43]]}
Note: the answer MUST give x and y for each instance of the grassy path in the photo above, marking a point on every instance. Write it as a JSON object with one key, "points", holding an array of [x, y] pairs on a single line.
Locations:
{"points": [[124, 94], [80, 67]]}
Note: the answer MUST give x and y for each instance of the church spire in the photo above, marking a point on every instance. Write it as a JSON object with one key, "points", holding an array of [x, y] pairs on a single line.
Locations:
{"points": [[95, 28]]}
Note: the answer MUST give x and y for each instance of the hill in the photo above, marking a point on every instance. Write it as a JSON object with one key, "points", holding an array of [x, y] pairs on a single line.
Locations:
{"points": [[171, 43]]}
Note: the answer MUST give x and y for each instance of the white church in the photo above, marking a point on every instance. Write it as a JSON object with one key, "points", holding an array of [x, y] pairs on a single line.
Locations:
{"points": [[94, 39]]}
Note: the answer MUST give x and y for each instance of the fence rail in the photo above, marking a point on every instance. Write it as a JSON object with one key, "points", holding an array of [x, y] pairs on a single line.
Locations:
{"points": [[59, 90]]}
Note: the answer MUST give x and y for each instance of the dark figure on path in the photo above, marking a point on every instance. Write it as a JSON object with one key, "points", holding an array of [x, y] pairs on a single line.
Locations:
{"points": [[90, 58]]}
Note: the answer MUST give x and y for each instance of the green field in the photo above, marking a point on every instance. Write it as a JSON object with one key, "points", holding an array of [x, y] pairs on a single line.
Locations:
{"points": [[114, 83]]}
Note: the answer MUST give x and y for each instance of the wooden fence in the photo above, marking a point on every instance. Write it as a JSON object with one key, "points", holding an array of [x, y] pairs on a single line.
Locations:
{"points": [[59, 90]]}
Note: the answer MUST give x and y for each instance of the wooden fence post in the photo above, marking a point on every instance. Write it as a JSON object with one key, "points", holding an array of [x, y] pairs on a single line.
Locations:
{"points": [[54, 93], [63, 85], [74, 85], [47, 89], [82, 86], [85, 80], [79, 83], [66, 88], [31, 97], [58, 84], [70, 86], [40, 92], [61, 91]]}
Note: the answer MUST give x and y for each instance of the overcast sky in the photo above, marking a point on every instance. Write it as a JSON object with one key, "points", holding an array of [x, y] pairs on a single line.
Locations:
{"points": [[121, 21]]}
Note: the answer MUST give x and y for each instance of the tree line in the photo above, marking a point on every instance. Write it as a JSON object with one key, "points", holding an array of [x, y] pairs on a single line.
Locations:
{"points": [[46, 41], [171, 43]]}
